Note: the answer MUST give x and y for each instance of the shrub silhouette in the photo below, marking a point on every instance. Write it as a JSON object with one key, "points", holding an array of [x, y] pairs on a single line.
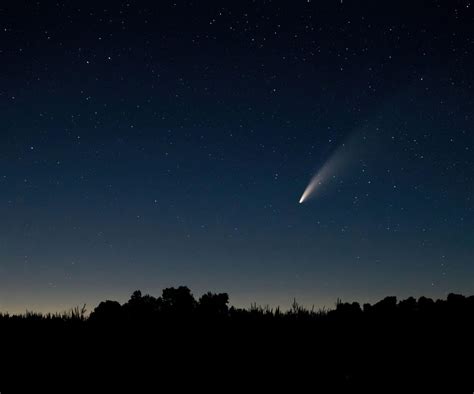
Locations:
{"points": [[348, 308], [106, 311]]}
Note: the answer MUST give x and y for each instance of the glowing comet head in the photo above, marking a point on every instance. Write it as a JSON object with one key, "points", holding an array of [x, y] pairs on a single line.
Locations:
{"points": [[326, 172], [313, 184]]}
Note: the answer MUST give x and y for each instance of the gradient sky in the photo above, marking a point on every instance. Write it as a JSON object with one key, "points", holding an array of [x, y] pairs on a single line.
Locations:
{"points": [[154, 144]]}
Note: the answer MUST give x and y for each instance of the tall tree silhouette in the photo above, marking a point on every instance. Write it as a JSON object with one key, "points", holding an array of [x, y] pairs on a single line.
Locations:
{"points": [[178, 302], [214, 305]]}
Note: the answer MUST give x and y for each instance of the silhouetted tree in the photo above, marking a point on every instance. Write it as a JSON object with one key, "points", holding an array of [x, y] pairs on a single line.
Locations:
{"points": [[141, 307], [177, 301], [408, 306], [387, 306], [425, 305], [470, 303], [213, 305], [456, 301], [348, 309], [106, 311]]}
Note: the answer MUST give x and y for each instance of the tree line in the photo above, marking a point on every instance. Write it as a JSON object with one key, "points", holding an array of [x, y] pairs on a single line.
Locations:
{"points": [[179, 303]]}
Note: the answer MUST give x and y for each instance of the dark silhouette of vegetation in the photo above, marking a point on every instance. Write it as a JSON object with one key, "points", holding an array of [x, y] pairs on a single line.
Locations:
{"points": [[413, 340], [179, 303]]}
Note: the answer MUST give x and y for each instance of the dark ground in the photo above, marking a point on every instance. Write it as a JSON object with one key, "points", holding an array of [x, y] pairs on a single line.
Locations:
{"points": [[408, 346]]}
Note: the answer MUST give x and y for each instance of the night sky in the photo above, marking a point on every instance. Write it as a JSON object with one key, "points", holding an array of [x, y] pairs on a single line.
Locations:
{"points": [[154, 144]]}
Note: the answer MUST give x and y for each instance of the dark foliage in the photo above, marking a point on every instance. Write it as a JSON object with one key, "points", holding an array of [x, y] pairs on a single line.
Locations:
{"points": [[423, 342]]}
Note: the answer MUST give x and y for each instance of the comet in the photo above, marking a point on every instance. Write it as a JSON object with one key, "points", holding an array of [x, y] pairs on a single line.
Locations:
{"points": [[322, 176], [312, 185], [343, 155]]}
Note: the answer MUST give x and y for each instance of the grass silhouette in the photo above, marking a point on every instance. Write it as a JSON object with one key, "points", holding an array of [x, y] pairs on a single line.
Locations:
{"points": [[412, 343]]}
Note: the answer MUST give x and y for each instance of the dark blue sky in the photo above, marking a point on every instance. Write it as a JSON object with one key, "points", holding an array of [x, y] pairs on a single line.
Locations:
{"points": [[154, 144]]}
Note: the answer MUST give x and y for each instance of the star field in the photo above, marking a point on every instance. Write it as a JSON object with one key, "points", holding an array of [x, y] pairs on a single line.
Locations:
{"points": [[153, 144]]}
